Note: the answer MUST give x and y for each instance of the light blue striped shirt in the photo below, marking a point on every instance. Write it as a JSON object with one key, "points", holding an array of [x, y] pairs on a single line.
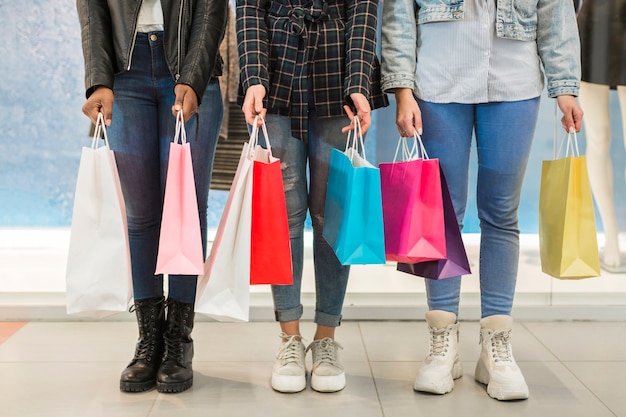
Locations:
{"points": [[463, 61]]}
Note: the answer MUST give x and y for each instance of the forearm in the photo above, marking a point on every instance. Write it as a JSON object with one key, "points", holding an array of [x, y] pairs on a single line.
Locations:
{"points": [[252, 43], [207, 31], [97, 44]]}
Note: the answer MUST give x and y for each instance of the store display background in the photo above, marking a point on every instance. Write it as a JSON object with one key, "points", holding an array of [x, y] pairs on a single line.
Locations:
{"points": [[42, 129]]}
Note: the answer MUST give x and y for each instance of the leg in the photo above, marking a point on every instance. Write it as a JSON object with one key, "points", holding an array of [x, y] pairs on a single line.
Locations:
{"points": [[331, 278], [504, 133], [447, 136], [594, 99], [176, 371], [289, 372], [136, 147]]}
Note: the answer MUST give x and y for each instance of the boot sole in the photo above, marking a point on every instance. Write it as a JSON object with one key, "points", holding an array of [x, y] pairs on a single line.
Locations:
{"points": [[441, 387], [502, 392], [137, 386], [174, 388]]}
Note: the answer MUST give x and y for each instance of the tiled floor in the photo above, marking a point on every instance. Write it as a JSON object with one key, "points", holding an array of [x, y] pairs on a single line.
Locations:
{"points": [[65, 369]]}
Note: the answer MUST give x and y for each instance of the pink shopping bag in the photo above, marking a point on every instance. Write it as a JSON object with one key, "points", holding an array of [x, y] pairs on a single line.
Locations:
{"points": [[413, 212], [180, 242]]}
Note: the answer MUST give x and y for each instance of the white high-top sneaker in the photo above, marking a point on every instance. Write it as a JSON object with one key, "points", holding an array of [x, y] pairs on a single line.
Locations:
{"points": [[442, 365], [496, 367], [289, 371]]}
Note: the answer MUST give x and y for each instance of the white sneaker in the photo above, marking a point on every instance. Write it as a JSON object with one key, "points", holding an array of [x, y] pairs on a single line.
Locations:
{"points": [[496, 367], [289, 372], [442, 364], [327, 373]]}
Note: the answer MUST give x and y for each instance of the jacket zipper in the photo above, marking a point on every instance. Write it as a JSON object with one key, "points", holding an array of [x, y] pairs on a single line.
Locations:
{"points": [[132, 45], [180, 24]]}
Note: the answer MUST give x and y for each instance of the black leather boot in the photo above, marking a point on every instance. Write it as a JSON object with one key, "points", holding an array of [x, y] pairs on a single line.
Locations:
{"points": [[175, 373], [140, 374]]}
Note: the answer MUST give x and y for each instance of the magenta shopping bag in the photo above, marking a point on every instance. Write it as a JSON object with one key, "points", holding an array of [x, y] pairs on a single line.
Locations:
{"points": [[180, 241], [456, 262], [413, 211]]}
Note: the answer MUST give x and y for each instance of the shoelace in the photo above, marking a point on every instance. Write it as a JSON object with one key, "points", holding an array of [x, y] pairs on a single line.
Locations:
{"points": [[439, 342], [501, 346], [325, 351], [291, 350]]}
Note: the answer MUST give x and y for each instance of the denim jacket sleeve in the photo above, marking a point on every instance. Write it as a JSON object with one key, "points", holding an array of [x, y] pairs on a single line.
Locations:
{"points": [[559, 46], [398, 59]]}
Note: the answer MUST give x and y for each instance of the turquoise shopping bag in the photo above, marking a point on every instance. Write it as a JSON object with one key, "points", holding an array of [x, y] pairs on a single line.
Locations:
{"points": [[353, 215]]}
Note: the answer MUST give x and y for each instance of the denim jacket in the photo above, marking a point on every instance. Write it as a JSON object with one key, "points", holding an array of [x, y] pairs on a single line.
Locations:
{"points": [[550, 23]]}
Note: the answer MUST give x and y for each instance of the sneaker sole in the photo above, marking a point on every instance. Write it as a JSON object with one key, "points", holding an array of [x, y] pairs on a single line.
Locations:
{"points": [[332, 383], [288, 383]]}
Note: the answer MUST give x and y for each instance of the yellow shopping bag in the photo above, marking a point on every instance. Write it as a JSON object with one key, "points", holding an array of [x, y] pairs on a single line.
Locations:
{"points": [[567, 225]]}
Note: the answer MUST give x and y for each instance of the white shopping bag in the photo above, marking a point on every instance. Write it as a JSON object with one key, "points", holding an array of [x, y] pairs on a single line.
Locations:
{"points": [[224, 289], [98, 274]]}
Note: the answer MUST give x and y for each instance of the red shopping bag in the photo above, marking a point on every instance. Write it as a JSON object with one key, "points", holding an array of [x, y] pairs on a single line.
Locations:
{"points": [[456, 262], [270, 246], [180, 242], [413, 212]]}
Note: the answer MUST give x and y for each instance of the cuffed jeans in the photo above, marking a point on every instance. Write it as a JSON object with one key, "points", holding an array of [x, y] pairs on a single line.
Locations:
{"points": [[331, 278], [504, 133], [140, 134]]}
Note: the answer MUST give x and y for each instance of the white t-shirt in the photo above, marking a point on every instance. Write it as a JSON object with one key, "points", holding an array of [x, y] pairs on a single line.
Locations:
{"points": [[150, 16]]}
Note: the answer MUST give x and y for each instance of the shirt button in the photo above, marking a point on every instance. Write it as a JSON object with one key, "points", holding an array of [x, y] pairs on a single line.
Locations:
{"points": [[486, 53], [153, 38]]}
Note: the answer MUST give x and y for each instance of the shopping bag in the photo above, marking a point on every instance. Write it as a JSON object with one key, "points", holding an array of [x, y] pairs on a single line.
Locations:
{"points": [[413, 211], [223, 291], [98, 273], [180, 240], [567, 226], [353, 217], [270, 248], [456, 262]]}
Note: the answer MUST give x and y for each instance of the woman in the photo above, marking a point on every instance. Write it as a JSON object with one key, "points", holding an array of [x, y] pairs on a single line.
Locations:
{"points": [[145, 61], [475, 67], [302, 63]]}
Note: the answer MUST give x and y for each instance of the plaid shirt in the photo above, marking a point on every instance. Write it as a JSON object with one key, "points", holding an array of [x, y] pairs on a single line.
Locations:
{"points": [[294, 47]]}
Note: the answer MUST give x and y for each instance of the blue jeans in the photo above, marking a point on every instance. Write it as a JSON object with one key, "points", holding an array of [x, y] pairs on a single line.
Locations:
{"points": [[140, 134], [331, 278], [504, 133]]}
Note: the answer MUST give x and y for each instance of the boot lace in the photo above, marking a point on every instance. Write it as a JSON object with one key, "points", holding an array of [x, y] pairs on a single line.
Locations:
{"points": [[439, 342], [290, 352], [501, 346]]}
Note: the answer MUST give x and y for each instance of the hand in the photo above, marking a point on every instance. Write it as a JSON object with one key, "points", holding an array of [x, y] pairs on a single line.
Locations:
{"points": [[363, 112], [186, 100], [572, 119], [408, 114], [253, 104], [100, 101]]}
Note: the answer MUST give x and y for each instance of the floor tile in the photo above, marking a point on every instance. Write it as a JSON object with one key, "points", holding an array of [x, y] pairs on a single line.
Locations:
{"points": [[605, 380], [71, 342], [62, 389], [238, 389], [582, 341]]}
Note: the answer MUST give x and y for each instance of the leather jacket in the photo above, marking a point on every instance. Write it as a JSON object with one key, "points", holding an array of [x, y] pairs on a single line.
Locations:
{"points": [[193, 30]]}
